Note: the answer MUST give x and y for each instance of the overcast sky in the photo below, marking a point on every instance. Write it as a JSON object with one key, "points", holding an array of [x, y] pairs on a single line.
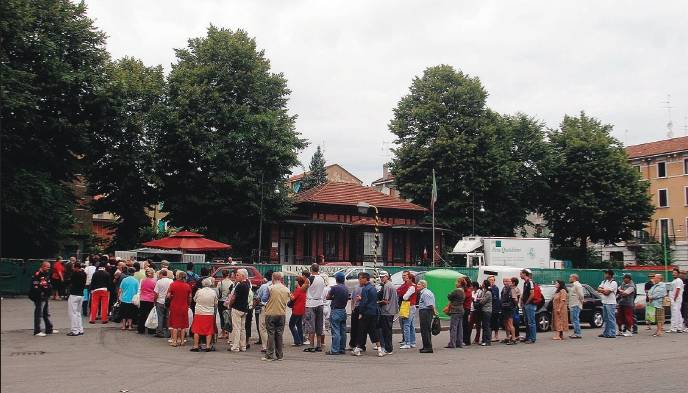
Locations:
{"points": [[349, 62]]}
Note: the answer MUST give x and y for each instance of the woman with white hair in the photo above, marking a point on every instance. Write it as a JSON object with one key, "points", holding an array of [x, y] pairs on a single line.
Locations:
{"points": [[204, 316]]}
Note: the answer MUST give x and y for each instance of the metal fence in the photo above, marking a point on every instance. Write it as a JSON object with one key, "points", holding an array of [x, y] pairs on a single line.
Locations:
{"points": [[15, 274]]}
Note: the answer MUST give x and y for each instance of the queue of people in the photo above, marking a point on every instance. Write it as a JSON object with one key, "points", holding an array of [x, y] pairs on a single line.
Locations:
{"points": [[182, 301]]}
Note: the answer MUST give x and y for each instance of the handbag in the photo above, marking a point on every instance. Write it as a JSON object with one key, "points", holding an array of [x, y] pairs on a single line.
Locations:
{"points": [[116, 315], [650, 314], [228, 320], [290, 303], [446, 308], [405, 309], [136, 300], [436, 326]]}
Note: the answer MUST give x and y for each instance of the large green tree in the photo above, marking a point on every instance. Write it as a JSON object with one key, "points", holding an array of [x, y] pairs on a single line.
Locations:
{"points": [[317, 174], [594, 193], [121, 170], [231, 138], [52, 61], [481, 158]]}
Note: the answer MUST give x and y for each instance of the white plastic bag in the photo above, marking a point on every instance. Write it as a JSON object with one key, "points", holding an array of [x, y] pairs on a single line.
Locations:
{"points": [[191, 315], [136, 300], [152, 320]]}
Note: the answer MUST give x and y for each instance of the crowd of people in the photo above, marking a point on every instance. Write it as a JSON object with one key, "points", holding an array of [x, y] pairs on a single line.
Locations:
{"points": [[157, 300]]}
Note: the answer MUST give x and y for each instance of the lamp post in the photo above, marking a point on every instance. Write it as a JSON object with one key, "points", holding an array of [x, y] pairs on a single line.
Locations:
{"points": [[482, 210], [363, 208], [260, 223]]}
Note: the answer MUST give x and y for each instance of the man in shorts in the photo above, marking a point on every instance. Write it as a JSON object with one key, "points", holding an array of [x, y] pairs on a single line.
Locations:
{"points": [[313, 323]]}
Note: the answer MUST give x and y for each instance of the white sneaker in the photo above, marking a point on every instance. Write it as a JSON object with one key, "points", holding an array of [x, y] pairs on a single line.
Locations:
{"points": [[356, 352], [41, 334], [405, 346], [413, 345], [381, 353], [307, 342], [627, 334], [56, 331]]}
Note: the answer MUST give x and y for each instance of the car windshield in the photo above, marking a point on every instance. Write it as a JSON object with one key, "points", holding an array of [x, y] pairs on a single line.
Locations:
{"points": [[548, 291]]}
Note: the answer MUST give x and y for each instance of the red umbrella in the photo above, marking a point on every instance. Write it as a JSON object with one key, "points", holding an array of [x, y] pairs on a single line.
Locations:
{"points": [[187, 241]]}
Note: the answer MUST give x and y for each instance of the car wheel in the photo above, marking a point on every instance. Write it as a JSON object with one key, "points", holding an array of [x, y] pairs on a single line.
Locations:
{"points": [[544, 322], [597, 321]]}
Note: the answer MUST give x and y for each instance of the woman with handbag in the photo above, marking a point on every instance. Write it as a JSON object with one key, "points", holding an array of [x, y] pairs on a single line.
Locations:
{"points": [[455, 311], [485, 305], [224, 289], [407, 310], [655, 298], [128, 288]]}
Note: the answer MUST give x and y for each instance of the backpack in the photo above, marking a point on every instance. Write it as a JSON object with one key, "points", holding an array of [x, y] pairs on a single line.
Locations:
{"points": [[538, 299]]}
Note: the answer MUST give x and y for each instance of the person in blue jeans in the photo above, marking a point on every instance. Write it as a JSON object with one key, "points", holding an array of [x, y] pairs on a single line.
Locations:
{"points": [[607, 289], [576, 300], [339, 295], [529, 307], [407, 291]]}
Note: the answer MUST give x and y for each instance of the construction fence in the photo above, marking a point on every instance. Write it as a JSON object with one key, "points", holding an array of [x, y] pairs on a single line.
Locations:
{"points": [[15, 274]]}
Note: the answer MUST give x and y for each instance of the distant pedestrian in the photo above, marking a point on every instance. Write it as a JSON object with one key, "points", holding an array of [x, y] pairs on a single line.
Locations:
{"points": [[655, 297], [509, 301], [57, 279], [39, 295], [560, 312], [485, 301], [205, 301], [259, 302], [100, 293], [139, 274], [576, 299], [298, 309], [238, 303], [127, 289], [407, 311], [161, 288], [389, 306], [476, 319], [224, 289], [146, 299], [607, 290], [684, 302], [275, 314], [179, 295], [367, 315], [516, 315], [75, 300], [676, 299], [626, 301], [467, 305], [455, 313], [496, 317], [339, 296], [426, 312], [314, 324], [528, 303]]}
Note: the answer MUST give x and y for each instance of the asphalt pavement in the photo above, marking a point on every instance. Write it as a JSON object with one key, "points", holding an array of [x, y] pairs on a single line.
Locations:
{"points": [[107, 360]]}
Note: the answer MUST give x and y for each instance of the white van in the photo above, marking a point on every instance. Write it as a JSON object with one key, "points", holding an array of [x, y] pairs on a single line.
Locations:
{"points": [[499, 272]]}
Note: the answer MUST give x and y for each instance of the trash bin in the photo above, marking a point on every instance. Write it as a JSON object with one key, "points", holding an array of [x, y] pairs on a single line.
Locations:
{"points": [[441, 282]]}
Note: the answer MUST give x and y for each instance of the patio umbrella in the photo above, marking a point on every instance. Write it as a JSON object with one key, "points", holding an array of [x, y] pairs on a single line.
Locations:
{"points": [[187, 241]]}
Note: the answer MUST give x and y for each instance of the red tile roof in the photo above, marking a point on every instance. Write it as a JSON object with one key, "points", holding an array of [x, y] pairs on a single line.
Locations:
{"points": [[659, 147], [383, 179], [349, 194]]}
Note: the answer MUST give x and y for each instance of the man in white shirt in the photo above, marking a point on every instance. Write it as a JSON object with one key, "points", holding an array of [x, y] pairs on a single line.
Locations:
{"points": [[676, 298], [313, 324], [161, 287], [607, 290], [89, 270]]}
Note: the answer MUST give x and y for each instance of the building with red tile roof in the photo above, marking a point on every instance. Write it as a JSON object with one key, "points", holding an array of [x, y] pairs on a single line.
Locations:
{"points": [[327, 226]]}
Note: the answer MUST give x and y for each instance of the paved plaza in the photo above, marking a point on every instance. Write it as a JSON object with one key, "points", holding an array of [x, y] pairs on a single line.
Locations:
{"points": [[108, 360]]}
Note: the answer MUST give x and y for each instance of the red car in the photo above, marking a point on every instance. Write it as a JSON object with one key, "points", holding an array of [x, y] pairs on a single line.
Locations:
{"points": [[254, 275]]}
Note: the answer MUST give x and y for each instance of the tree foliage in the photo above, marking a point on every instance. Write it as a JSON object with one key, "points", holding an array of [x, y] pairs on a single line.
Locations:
{"points": [[317, 173], [121, 170], [229, 129], [478, 155], [52, 60], [593, 192]]}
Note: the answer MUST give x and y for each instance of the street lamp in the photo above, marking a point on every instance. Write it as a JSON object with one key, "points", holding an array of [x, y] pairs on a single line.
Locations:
{"points": [[260, 224], [364, 208], [482, 210]]}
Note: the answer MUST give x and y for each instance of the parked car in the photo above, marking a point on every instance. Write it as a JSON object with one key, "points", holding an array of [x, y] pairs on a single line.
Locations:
{"points": [[254, 275], [351, 276], [641, 301], [591, 312]]}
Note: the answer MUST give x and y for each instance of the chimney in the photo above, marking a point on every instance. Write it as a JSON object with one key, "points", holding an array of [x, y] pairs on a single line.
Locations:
{"points": [[385, 171]]}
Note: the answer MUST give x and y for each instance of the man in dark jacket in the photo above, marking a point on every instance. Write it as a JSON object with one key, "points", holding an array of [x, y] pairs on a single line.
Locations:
{"points": [[39, 294], [367, 315]]}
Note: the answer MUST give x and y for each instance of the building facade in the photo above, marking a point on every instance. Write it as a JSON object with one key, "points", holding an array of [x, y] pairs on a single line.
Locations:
{"points": [[664, 165], [328, 226], [386, 183]]}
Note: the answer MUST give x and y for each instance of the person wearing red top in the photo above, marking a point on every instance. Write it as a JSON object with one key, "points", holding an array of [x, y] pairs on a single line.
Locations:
{"points": [[468, 290], [298, 309], [57, 278], [179, 295]]}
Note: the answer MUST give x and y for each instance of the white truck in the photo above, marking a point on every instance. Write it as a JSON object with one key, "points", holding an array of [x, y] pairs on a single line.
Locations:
{"points": [[521, 252]]}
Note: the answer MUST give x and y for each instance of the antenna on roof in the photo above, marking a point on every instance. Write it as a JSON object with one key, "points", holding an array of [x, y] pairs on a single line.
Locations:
{"points": [[670, 123]]}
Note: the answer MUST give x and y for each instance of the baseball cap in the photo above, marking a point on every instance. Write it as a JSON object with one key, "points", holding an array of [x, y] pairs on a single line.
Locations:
{"points": [[384, 273]]}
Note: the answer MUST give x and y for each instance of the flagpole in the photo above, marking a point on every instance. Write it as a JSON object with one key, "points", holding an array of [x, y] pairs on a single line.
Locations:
{"points": [[434, 197]]}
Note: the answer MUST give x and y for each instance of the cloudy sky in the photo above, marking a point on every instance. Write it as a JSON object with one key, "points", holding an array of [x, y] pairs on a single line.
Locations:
{"points": [[349, 62]]}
